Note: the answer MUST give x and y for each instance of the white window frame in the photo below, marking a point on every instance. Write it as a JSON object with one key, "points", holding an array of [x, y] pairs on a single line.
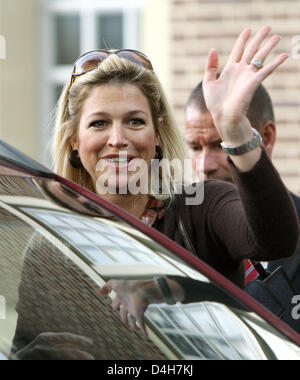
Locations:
{"points": [[53, 75]]}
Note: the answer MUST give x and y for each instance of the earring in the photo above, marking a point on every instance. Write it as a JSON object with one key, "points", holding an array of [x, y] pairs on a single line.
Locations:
{"points": [[159, 153], [75, 159]]}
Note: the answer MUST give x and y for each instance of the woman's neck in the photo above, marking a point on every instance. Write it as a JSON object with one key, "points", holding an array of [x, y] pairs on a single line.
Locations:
{"points": [[133, 204]]}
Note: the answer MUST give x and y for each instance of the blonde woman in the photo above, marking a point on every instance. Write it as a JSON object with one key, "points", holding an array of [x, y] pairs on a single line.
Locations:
{"points": [[113, 113]]}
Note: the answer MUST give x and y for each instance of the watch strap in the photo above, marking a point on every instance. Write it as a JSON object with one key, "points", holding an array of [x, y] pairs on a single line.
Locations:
{"points": [[244, 148]]}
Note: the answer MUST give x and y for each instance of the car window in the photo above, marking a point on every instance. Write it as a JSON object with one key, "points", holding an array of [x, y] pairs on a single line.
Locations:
{"points": [[54, 260]]}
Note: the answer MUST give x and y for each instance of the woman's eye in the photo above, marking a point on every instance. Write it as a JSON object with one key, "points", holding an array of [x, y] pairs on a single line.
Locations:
{"points": [[136, 122], [196, 148], [98, 123]]}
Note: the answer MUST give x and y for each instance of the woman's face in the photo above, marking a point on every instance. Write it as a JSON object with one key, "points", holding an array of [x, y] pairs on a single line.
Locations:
{"points": [[115, 132]]}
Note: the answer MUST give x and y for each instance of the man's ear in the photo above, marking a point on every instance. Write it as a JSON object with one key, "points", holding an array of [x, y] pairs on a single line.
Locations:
{"points": [[268, 135]]}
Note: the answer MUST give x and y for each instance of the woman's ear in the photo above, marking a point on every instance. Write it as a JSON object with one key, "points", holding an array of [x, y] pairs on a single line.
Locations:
{"points": [[74, 144], [157, 140]]}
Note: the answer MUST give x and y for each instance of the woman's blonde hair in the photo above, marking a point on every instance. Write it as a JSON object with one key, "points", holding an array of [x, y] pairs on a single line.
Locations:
{"points": [[114, 70]]}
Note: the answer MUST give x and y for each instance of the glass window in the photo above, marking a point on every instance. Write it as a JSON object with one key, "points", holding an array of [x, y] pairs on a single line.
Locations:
{"points": [[57, 93], [98, 241], [14, 237], [49, 280], [110, 31], [67, 38], [53, 290]]}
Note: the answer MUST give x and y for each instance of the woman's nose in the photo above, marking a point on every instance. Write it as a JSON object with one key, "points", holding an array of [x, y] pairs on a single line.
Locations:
{"points": [[117, 137]]}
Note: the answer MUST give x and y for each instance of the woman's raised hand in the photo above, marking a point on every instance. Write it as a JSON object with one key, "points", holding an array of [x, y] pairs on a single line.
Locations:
{"points": [[229, 96]]}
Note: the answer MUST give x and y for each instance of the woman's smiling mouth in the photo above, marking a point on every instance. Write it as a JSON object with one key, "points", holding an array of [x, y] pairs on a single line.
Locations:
{"points": [[118, 160]]}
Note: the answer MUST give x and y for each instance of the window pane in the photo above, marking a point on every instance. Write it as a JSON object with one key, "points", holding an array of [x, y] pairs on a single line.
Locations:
{"points": [[45, 272], [110, 31], [57, 90], [67, 38]]}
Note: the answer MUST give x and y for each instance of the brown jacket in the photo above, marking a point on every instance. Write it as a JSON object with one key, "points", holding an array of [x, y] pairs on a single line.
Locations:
{"points": [[258, 221]]}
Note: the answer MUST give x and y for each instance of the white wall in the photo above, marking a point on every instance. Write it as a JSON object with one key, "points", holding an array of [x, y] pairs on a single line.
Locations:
{"points": [[18, 75], [156, 27]]}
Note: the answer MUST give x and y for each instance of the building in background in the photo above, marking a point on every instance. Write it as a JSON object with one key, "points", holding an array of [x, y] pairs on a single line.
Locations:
{"points": [[44, 37], [198, 25]]}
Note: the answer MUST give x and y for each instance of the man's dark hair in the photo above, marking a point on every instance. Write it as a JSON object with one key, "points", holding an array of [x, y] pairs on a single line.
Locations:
{"points": [[260, 110]]}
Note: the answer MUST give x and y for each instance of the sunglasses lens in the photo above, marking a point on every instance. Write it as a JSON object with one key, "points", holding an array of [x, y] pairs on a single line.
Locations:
{"points": [[92, 59], [89, 61], [135, 57]]}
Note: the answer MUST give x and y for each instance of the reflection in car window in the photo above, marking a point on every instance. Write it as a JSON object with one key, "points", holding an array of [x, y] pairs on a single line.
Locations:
{"points": [[67, 255], [97, 240], [57, 294], [195, 327], [19, 186], [14, 237], [103, 245], [54, 291], [286, 351]]}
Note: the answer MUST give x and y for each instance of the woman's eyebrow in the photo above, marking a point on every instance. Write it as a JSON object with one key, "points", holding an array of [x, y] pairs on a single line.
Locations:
{"points": [[135, 112], [106, 114], [191, 141]]}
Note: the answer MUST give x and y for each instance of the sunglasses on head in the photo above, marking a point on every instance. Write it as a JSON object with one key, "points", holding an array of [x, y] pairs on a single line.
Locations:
{"points": [[90, 60]]}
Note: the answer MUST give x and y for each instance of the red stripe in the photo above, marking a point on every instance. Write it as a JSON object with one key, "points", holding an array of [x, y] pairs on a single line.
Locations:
{"points": [[251, 272]]}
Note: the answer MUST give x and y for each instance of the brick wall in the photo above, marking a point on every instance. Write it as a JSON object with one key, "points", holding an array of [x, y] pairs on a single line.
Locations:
{"points": [[198, 25]]}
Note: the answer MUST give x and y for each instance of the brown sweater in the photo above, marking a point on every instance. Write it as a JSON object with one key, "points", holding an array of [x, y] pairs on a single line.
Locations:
{"points": [[258, 221]]}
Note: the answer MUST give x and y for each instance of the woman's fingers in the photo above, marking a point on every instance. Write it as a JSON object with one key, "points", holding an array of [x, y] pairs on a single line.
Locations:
{"points": [[106, 289], [239, 47], [267, 70], [124, 315], [212, 65], [254, 45], [141, 323], [264, 52], [116, 304], [132, 321]]}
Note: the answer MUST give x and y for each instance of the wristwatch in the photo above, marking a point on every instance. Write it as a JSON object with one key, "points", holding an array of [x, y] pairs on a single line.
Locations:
{"points": [[244, 148], [163, 286]]}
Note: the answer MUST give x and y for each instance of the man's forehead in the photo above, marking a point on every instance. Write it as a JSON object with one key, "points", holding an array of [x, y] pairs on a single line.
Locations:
{"points": [[199, 125], [194, 118]]}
